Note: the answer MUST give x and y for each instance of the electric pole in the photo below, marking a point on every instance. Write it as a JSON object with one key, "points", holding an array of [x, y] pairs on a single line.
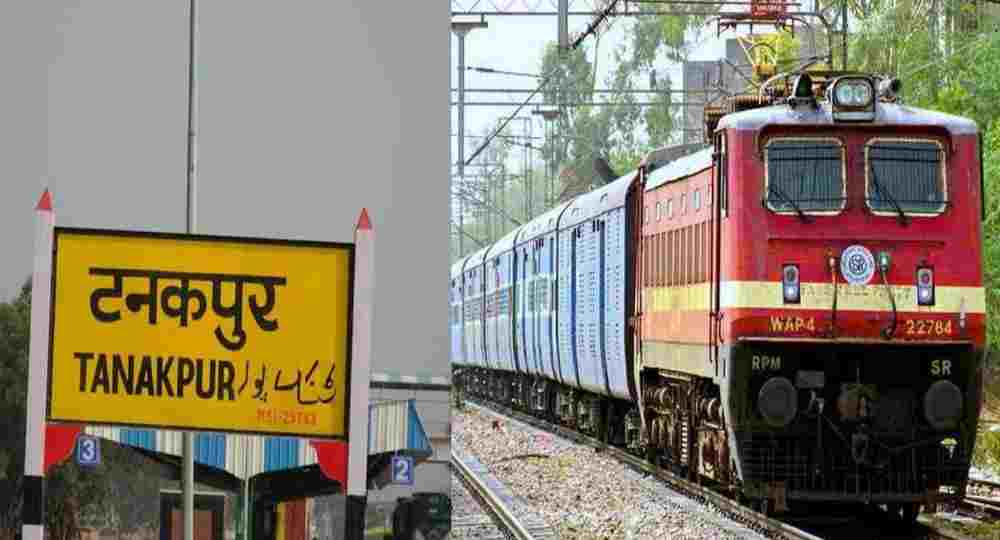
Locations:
{"points": [[461, 29]]}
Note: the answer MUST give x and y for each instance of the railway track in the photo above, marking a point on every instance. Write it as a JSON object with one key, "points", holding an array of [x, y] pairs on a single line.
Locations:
{"points": [[871, 524], [496, 500], [981, 500], [764, 525]]}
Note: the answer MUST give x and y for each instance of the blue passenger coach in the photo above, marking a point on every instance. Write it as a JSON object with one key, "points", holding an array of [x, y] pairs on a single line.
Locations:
{"points": [[455, 314], [473, 299], [499, 261], [535, 308], [547, 303], [592, 284]]}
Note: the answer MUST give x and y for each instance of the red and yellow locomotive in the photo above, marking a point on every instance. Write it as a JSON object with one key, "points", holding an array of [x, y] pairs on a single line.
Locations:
{"points": [[795, 312], [811, 296]]}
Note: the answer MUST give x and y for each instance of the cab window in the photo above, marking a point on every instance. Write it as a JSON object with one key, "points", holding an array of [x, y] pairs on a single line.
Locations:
{"points": [[804, 174], [905, 174]]}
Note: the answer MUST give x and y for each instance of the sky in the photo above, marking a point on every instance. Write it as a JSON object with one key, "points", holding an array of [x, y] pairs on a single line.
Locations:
{"points": [[308, 112], [515, 43]]}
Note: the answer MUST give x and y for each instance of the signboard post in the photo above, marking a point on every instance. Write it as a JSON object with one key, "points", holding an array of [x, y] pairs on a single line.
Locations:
{"points": [[194, 333], [33, 510], [357, 457]]}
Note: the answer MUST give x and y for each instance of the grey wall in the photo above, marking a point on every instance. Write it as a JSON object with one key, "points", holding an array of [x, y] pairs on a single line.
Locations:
{"points": [[310, 110]]}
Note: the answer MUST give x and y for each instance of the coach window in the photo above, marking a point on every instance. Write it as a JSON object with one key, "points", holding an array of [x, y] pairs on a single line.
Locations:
{"points": [[645, 212], [670, 208], [683, 203], [658, 213], [804, 174], [905, 175], [696, 200]]}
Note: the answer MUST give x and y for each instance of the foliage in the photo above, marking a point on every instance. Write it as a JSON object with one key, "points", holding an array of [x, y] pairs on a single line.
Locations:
{"points": [[944, 57], [991, 234], [626, 159], [987, 451], [116, 490], [776, 48], [621, 130], [14, 317]]}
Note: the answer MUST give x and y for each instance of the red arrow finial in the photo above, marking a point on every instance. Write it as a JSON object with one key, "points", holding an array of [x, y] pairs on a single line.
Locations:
{"points": [[45, 203], [364, 224]]}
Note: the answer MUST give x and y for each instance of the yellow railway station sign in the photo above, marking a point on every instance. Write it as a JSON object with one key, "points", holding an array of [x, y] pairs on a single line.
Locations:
{"points": [[201, 333]]}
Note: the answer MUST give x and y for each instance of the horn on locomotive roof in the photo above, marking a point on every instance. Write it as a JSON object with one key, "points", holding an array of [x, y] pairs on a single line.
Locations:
{"points": [[802, 91], [889, 88]]}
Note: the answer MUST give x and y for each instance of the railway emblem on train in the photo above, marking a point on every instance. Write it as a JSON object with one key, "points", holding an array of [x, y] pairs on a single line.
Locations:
{"points": [[857, 265]]}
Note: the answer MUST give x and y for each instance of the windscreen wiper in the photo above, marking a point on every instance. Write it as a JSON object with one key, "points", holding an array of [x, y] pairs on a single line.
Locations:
{"points": [[885, 195], [781, 194]]}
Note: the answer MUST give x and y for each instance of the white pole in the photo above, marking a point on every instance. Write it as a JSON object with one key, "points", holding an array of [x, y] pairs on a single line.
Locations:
{"points": [[357, 455], [191, 222], [33, 511]]}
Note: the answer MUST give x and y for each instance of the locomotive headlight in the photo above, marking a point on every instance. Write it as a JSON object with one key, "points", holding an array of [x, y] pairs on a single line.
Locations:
{"points": [[853, 93], [778, 401], [853, 99], [925, 286], [943, 405], [790, 283]]}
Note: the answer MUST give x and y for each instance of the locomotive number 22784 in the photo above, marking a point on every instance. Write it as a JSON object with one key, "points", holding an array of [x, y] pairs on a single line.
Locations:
{"points": [[922, 327]]}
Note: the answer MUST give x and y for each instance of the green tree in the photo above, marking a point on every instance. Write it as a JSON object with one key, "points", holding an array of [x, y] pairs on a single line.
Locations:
{"points": [[14, 317], [69, 488], [570, 84], [621, 131], [987, 452]]}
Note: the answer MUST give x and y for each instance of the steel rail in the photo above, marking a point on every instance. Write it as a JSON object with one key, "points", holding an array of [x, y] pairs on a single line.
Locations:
{"points": [[764, 524], [506, 516], [987, 483], [980, 506]]}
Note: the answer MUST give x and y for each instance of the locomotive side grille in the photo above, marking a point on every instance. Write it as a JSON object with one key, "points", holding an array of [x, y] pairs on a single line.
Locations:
{"points": [[802, 467]]}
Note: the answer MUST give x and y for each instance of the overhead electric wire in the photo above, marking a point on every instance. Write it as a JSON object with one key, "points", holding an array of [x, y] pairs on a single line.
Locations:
{"points": [[590, 29]]}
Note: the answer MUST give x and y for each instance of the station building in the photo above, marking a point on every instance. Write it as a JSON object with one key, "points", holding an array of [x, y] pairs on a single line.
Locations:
{"points": [[274, 487]]}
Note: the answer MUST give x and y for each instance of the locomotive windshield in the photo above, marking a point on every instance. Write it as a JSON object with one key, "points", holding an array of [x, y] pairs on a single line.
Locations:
{"points": [[905, 176], [804, 176]]}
